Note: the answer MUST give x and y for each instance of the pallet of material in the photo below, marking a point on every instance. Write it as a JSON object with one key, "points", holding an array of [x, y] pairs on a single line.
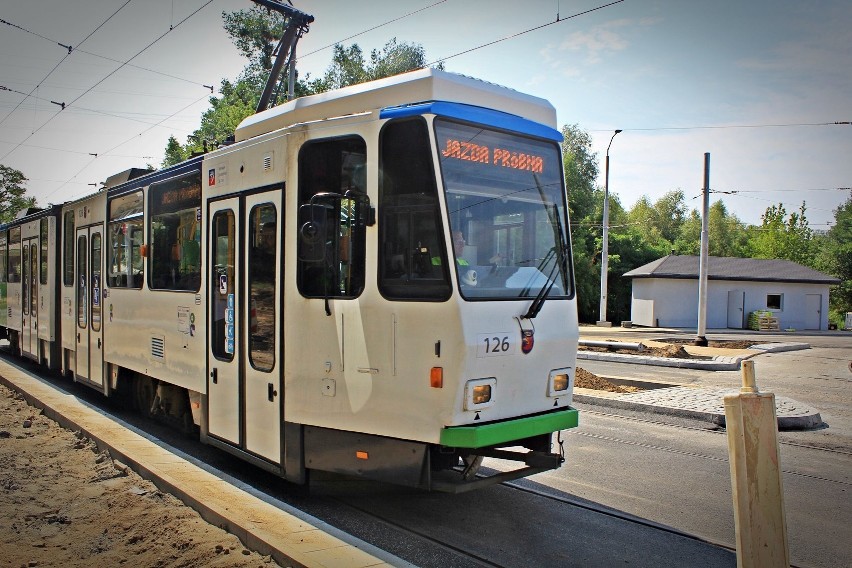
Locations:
{"points": [[763, 321]]}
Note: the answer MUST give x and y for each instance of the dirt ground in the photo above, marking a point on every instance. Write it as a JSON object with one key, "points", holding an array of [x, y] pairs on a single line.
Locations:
{"points": [[585, 380], [64, 504]]}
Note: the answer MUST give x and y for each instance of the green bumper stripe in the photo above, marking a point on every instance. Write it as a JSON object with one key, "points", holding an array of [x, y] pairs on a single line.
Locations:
{"points": [[502, 432]]}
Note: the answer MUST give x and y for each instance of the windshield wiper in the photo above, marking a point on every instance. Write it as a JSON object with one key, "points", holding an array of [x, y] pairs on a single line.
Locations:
{"points": [[559, 249]]}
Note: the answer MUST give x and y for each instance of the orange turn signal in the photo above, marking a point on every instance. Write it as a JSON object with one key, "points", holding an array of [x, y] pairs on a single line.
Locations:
{"points": [[436, 377], [362, 455]]}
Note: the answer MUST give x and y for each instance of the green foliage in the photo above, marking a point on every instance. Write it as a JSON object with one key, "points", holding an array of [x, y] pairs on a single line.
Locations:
{"points": [[726, 234], [13, 193], [581, 169], [780, 236], [255, 32], [835, 258]]}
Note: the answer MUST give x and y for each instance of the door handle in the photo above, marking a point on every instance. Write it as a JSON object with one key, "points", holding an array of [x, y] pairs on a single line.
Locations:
{"points": [[99, 343], [271, 392], [78, 337], [214, 376]]}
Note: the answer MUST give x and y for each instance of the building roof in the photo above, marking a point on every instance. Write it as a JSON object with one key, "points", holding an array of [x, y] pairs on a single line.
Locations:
{"points": [[727, 268]]}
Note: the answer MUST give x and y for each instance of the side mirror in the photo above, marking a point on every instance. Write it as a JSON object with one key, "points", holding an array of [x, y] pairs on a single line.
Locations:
{"points": [[313, 232]]}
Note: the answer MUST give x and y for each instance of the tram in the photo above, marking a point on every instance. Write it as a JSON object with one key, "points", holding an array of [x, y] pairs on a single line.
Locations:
{"points": [[374, 281]]}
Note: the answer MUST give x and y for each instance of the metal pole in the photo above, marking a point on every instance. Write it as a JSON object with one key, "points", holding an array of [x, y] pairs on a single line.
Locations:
{"points": [[602, 321], [705, 247]]}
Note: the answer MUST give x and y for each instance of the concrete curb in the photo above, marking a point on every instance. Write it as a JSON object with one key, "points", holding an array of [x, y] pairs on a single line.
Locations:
{"points": [[791, 415], [717, 363]]}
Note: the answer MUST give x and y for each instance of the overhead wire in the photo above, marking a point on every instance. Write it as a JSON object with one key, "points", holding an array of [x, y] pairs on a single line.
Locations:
{"points": [[110, 74], [61, 61], [558, 20]]}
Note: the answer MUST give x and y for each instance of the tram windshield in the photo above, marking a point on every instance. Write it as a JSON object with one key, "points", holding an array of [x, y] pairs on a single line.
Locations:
{"points": [[506, 207]]}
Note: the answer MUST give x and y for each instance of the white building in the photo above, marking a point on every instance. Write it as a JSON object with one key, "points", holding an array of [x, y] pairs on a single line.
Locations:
{"points": [[665, 292]]}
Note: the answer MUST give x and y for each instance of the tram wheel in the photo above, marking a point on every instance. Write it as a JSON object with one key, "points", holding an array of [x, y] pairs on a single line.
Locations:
{"points": [[143, 394]]}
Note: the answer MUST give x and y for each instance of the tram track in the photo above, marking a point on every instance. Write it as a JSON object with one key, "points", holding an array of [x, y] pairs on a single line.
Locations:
{"points": [[388, 516]]}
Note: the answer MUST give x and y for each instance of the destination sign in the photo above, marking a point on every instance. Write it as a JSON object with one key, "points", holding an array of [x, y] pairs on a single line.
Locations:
{"points": [[499, 157]]}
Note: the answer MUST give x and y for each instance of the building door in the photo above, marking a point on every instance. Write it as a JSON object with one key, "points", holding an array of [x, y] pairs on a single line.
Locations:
{"points": [[29, 299], [89, 334], [813, 311], [736, 305]]}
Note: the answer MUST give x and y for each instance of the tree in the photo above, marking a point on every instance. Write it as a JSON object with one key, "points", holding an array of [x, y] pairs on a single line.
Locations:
{"points": [[256, 32], [835, 258], [780, 236], [726, 234], [581, 169], [13, 193]]}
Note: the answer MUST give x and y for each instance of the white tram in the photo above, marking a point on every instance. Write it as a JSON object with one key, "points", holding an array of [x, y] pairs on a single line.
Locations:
{"points": [[374, 281]]}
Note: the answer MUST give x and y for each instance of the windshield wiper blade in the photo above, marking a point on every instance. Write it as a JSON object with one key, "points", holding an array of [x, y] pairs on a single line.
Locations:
{"points": [[538, 302]]}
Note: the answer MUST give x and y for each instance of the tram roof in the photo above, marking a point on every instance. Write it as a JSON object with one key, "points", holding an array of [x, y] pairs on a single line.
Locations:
{"points": [[419, 86]]}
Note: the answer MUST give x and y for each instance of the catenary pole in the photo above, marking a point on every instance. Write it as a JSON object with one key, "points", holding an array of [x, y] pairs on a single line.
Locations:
{"points": [[700, 339]]}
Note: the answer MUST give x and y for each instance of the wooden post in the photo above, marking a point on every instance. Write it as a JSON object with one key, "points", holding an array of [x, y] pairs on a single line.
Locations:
{"points": [[761, 528]]}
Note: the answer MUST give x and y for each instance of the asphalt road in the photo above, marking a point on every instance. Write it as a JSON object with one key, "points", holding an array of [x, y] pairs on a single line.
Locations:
{"points": [[680, 477]]}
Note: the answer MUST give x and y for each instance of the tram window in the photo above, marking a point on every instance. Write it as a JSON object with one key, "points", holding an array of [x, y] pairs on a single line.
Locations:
{"points": [[222, 286], [263, 243], [124, 257], [14, 272], [95, 296], [3, 251], [44, 233], [175, 251], [334, 166], [412, 255], [68, 244], [82, 319], [33, 279], [25, 289]]}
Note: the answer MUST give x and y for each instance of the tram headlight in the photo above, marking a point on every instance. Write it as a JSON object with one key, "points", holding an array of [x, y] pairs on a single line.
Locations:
{"points": [[479, 393], [560, 382]]}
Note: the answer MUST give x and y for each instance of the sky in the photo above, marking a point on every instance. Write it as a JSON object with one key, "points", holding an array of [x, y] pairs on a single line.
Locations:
{"points": [[758, 85]]}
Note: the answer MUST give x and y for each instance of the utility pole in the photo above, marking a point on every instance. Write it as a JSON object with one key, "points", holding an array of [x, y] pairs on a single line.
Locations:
{"points": [[605, 248], [702, 267]]}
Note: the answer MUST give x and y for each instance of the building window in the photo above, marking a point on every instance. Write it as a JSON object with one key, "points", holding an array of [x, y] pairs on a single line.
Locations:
{"points": [[175, 251], [775, 301]]}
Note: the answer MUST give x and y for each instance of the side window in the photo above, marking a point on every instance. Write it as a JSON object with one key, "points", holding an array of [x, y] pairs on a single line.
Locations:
{"points": [[82, 318], [175, 251], [44, 233], [412, 255], [263, 243], [125, 230], [68, 248], [14, 274], [222, 284], [3, 252], [332, 211], [96, 282]]}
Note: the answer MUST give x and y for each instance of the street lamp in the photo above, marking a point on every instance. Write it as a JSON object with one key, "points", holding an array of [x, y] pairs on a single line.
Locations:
{"points": [[605, 249]]}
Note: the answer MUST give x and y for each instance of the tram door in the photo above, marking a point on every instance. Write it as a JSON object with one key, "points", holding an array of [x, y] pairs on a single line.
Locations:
{"points": [[245, 364], [90, 355], [29, 298]]}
